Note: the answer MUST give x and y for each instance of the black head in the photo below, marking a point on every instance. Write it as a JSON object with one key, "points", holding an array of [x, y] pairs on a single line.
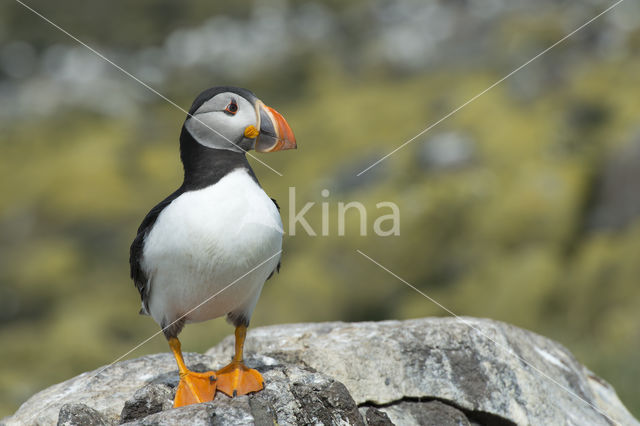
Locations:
{"points": [[235, 119]]}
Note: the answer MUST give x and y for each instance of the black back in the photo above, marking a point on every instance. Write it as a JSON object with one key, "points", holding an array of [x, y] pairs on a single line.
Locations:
{"points": [[140, 279]]}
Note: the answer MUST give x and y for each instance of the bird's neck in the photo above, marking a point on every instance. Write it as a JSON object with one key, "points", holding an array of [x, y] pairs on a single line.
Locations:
{"points": [[205, 166]]}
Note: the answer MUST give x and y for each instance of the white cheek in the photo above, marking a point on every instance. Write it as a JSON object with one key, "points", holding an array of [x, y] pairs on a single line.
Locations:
{"points": [[216, 130]]}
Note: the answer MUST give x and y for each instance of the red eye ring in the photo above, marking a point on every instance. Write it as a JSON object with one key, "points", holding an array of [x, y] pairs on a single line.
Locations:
{"points": [[232, 108]]}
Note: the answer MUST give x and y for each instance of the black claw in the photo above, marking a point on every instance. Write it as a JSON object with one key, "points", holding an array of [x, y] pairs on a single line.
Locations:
{"points": [[235, 393]]}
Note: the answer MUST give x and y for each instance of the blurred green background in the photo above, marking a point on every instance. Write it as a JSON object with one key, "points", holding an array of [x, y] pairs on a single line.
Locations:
{"points": [[523, 207]]}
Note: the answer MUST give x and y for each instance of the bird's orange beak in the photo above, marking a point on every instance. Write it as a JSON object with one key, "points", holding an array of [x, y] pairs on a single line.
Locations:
{"points": [[275, 133]]}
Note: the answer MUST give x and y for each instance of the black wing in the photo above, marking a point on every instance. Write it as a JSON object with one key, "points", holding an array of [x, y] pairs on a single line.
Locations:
{"points": [[279, 260], [139, 277], [276, 203]]}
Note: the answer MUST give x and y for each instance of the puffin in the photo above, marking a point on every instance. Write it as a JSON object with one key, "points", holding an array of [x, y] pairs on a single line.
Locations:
{"points": [[207, 249]]}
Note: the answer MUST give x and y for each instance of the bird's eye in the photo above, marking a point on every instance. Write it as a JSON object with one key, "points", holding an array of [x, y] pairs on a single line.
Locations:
{"points": [[232, 108]]}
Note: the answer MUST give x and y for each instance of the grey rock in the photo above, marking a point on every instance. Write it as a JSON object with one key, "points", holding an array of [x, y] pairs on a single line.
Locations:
{"points": [[147, 400], [440, 371], [321, 399], [105, 389], [236, 412], [297, 395], [430, 413], [195, 415], [374, 417], [483, 366], [80, 415], [291, 396]]}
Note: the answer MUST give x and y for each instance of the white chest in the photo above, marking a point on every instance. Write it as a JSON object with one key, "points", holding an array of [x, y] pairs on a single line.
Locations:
{"points": [[207, 239]]}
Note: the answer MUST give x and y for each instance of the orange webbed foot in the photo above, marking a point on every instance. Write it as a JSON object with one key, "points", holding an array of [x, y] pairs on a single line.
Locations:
{"points": [[194, 388], [237, 379]]}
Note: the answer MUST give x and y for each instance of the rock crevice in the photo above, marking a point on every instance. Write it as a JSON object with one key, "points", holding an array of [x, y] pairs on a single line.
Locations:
{"points": [[434, 411]]}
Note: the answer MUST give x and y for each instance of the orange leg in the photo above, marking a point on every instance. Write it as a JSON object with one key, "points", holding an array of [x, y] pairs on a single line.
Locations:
{"points": [[236, 378], [193, 387]]}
